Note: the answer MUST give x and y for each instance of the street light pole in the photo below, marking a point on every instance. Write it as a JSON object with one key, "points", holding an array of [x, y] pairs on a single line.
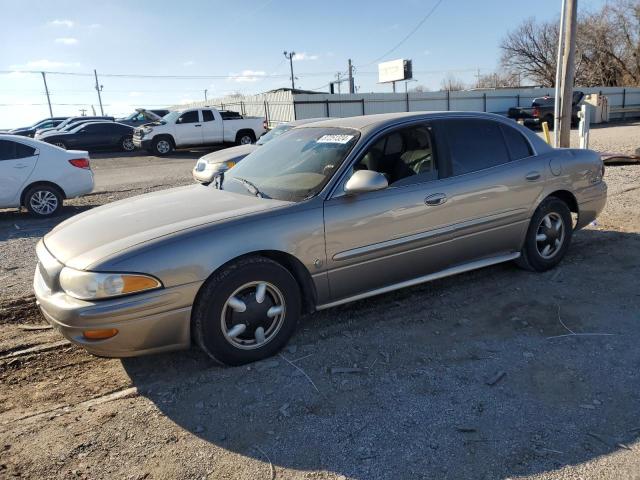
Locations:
{"points": [[290, 56], [46, 89], [568, 71], [98, 89], [556, 106]]}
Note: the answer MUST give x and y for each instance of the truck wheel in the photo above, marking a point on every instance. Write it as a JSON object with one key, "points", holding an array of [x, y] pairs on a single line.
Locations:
{"points": [[549, 120], [162, 146], [245, 138]]}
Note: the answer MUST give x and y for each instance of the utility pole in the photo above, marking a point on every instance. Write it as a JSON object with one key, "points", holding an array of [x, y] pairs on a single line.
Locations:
{"points": [[339, 81], [290, 56], [205, 94], [46, 89], [556, 106], [568, 72], [478, 78], [350, 77], [98, 89]]}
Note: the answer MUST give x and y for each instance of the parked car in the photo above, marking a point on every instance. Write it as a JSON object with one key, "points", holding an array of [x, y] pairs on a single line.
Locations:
{"points": [[331, 212], [69, 127], [95, 136], [542, 110], [31, 131], [211, 164], [39, 176], [142, 116], [70, 121], [194, 127]]}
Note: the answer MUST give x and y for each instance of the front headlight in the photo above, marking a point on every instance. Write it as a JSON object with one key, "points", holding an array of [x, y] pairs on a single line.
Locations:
{"points": [[94, 285]]}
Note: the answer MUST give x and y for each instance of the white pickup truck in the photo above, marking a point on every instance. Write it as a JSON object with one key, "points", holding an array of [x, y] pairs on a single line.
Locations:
{"points": [[193, 127]]}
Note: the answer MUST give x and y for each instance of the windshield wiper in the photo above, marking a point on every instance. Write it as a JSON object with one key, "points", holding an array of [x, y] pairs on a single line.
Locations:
{"points": [[250, 187]]}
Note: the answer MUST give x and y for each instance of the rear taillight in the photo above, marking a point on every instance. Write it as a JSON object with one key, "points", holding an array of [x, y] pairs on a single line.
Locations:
{"points": [[265, 125], [80, 163], [536, 112]]}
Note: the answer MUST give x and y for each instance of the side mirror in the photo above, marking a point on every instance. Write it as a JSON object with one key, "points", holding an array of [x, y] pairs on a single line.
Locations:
{"points": [[365, 181]]}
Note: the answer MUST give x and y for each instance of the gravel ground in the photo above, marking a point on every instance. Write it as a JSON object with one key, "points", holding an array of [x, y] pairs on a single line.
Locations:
{"points": [[483, 375]]}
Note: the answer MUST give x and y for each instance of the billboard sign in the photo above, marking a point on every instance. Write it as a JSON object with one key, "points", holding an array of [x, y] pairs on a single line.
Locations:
{"points": [[395, 71]]}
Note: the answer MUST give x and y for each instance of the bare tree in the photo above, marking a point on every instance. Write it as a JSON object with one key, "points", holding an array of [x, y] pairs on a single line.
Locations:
{"points": [[498, 80], [531, 49], [452, 83], [607, 47], [420, 89]]}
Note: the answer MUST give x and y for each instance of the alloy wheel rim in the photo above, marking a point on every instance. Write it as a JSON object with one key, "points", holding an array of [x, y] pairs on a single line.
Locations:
{"points": [[43, 202], [550, 235], [60, 144], [127, 144], [253, 315], [163, 146], [246, 140]]}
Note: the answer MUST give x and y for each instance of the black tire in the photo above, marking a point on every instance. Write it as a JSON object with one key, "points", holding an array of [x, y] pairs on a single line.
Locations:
{"points": [[245, 137], [43, 201], [549, 119], [162, 146], [126, 143], [236, 281], [532, 257]]}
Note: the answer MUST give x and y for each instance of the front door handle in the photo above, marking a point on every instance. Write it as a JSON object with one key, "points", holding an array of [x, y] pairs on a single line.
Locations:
{"points": [[435, 199], [532, 176], [197, 125]]}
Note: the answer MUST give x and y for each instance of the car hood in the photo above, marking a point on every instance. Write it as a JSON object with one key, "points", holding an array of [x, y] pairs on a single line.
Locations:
{"points": [[89, 237], [227, 154]]}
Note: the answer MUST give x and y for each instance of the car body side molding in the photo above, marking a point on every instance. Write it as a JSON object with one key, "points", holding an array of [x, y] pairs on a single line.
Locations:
{"points": [[485, 262]]}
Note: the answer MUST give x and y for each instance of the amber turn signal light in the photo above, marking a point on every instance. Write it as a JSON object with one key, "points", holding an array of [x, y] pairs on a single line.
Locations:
{"points": [[100, 334]]}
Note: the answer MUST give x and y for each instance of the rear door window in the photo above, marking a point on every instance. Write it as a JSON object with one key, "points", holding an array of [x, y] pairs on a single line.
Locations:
{"points": [[516, 143], [24, 151], [474, 145], [207, 116]]}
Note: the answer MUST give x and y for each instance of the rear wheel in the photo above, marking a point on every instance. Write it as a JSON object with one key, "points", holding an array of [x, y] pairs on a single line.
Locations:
{"points": [[43, 200], [245, 138], [548, 236], [162, 146], [549, 119], [247, 311]]}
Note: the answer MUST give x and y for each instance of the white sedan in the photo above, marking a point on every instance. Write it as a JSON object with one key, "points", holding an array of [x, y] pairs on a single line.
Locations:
{"points": [[39, 176]]}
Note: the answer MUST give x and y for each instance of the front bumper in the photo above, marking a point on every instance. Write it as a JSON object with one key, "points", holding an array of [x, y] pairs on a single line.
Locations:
{"points": [[142, 143], [150, 322]]}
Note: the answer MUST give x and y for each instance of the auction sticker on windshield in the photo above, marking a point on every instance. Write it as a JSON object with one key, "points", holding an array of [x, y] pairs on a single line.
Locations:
{"points": [[335, 139]]}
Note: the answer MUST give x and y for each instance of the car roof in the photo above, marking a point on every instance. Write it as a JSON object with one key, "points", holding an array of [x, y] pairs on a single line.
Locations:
{"points": [[368, 122]]}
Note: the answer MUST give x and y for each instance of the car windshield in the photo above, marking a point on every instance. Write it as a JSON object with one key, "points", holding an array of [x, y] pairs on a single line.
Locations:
{"points": [[170, 117], [293, 167], [275, 132]]}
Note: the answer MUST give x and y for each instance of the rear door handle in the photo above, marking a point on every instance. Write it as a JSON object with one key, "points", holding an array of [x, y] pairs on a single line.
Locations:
{"points": [[532, 176], [435, 199], [197, 125]]}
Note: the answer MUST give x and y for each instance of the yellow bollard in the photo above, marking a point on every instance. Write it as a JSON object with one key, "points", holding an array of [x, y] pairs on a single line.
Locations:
{"points": [[545, 129]]}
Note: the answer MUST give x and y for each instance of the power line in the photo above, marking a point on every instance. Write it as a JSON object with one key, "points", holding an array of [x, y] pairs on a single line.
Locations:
{"points": [[415, 29]]}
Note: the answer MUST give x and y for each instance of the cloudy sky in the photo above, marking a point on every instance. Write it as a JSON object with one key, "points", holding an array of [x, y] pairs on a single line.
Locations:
{"points": [[236, 45]]}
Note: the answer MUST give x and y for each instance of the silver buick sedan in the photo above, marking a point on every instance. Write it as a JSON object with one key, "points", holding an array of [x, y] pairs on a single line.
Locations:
{"points": [[325, 214]]}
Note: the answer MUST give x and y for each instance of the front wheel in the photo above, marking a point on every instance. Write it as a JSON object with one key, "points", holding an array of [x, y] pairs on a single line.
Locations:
{"points": [[162, 146], [548, 236], [127, 144], [247, 311], [43, 201]]}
